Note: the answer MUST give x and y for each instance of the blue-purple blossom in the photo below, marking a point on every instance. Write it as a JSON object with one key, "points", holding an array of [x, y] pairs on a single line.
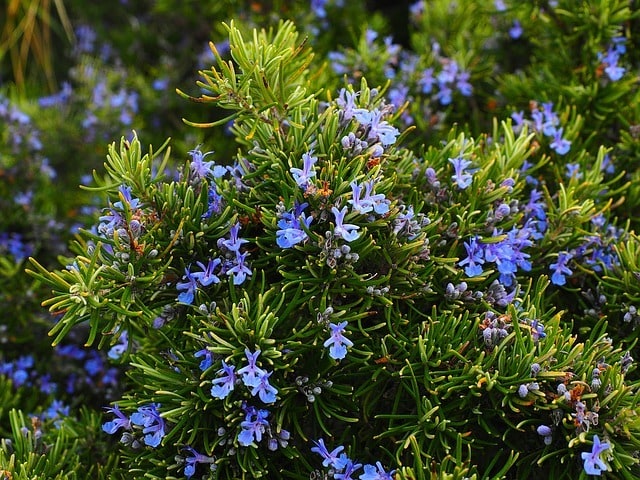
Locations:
{"points": [[560, 269], [378, 129], [214, 200], [593, 464], [515, 31], [545, 432], [349, 469], [264, 389], [234, 243], [475, 257], [303, 176], [610, 59], [116, 351], [461, 176], [192, 460], [376, 472], [346, 231], [223, 385], [253, 426], [290, 226], [200, 169], [251, 373], [121, 421], [239, 270], [330, 458], [207, 361], [559, 144], [338, 343], [206, 277], [188, 287], [153, 424], [370, 202]]}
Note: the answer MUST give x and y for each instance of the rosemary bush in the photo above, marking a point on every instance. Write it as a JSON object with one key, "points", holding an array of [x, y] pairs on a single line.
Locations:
{"points": [[410, 261]]}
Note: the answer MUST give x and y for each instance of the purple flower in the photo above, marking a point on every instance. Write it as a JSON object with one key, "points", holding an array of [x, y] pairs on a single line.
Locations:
{"points": [[201, 169], [264, 389], [347, 102], [370, 201], [376, 472], [345, 231], [290, 225], [462, 178], [349, 469], [253, 426], [193, 460], [119, 348], [593, 464], [330, 458], [207, 361], [121, 421], [234, 243], [222, 386], [515, 31], [251, 373], [215, 202], [153, 425], [427, 80], [303, 176], [560, 268], [338, 343], [239, 270], [190, 285], [559, 144], [207, 277], [378, 129], [474, 260]]}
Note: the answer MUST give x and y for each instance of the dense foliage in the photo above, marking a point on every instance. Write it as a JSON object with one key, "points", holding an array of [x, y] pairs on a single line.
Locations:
{"points": [[359, 243]]}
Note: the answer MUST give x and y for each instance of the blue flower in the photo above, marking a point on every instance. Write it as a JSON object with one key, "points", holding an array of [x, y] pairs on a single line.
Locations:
{"points": [[251, 373], [462, 178], [116, 351], [593, 464], [253, 426], [330, 458], [201, 169], [193, 460], [376, 472], [475, 258], [559, 144], [207, 361], [190, 285], [207, 277], [290, 227], [215, 202], [349, 469], [121, 421], [222, 386], [338, 343], [239, 270], [560, 268], [515, 31], [264, 389], [234, 243], [345, 231], [153, 425], [303, 176]]}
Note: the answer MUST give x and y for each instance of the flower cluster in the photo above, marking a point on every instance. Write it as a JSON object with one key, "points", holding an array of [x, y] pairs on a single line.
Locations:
{"points": [[507, 254], [344, 468], [609, 59], [544, 121], [252, 376], [146, 422]]}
